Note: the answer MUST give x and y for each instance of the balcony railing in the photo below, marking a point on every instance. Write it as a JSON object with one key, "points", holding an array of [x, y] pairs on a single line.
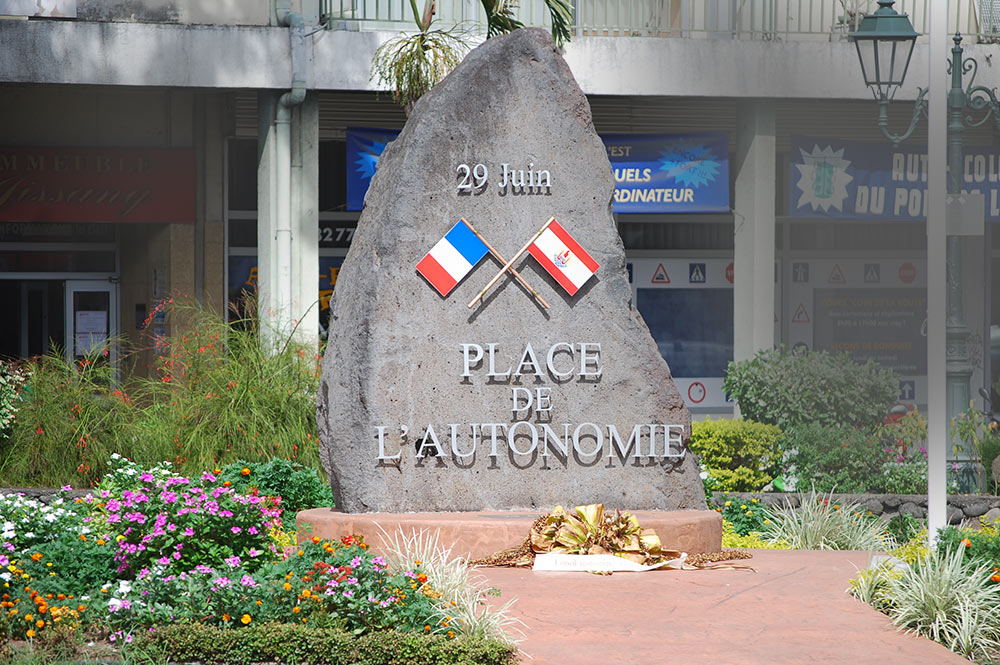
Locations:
{"points": [[785, 20]]}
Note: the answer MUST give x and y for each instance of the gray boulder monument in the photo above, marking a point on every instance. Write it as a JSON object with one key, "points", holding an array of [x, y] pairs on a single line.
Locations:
{"points": [[428, 405]]}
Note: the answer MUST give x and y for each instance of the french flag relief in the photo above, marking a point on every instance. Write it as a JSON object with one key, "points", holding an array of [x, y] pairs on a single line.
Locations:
{"points": [[452, 258], [563, 258]]}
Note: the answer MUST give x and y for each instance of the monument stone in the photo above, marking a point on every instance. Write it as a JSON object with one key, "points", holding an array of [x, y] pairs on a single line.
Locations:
{"points": [[440, 394]]}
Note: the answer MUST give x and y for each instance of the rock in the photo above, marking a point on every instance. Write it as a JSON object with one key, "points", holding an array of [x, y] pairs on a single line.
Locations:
{"points": [[992, 515], [891, 501], [910, 508], [995, 469], [873, 505], [975, 508], [955, 515], [409, 418]]}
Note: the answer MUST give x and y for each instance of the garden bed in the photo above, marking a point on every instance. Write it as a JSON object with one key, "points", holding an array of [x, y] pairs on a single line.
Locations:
{"points": [[960, 506]]}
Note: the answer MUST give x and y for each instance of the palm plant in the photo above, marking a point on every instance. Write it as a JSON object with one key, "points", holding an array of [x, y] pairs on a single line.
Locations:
{"points": [[410, 65]]}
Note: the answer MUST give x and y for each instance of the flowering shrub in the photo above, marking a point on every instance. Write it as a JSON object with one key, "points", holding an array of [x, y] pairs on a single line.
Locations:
{"points": [[27, 522], [157, 523], [331, 584], [11, 381], [152, 548]]}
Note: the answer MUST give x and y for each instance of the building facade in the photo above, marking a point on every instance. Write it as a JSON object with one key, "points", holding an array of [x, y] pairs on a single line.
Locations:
{"points": [[157, 149]]}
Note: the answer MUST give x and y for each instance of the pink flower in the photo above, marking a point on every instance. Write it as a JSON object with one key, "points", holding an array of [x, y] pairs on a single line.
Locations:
{"points": [[236, 529]]}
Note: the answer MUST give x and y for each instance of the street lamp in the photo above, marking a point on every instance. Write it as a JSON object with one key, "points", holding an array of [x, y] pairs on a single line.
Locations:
{"points": [[884, 41]]}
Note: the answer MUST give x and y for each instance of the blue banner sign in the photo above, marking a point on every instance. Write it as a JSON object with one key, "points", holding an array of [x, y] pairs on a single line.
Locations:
{"points": [[654, 173], [664, 173], [831, 178], [364, 146]]}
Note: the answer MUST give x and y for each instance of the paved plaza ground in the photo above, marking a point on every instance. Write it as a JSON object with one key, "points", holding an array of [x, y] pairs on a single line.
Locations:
{"points": [[792, 610]]}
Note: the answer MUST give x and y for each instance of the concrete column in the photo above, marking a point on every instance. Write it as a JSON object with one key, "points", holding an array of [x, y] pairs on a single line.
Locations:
{"points": [[305, 220], [301, 317], [753, 212], [267, 213]]}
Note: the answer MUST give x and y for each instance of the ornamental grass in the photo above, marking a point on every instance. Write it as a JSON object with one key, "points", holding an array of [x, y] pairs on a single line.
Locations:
{"points": [[212, 395]]}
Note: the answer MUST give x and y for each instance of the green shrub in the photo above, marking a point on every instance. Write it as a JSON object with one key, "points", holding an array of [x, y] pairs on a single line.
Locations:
{"points": [[288, 643], [789, 388], [835, 458], [739, 455], [903, 528], [981, 545], [299, 487], [744, 516]]}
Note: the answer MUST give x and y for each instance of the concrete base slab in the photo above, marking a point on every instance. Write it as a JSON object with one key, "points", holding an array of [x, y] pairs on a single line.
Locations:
{"points": [[475, 535]]}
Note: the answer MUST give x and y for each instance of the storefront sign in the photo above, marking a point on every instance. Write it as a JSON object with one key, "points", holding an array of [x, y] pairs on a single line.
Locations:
{"points": [[654, 173], [831, 178], [97, 185], [665, 173], [364, 147], [243, 279]]}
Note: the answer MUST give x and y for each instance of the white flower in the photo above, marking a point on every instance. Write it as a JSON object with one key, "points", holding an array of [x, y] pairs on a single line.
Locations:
{"points": [[5, 577], [124, 587]]}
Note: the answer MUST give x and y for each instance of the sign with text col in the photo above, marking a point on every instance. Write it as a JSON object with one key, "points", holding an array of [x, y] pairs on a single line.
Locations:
{"points": [[831, 178], [45, 184], [654, 173]]}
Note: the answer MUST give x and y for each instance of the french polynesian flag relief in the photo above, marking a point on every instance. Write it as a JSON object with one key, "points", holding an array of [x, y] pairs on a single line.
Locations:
{"points": [[563, 258], [452, 258]]}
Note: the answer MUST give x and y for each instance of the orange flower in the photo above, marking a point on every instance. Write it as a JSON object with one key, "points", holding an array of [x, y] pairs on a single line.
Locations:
{"points": [[226, 617], [995, 577], [30, 633], [306, 593], [245, 619], [40, 623], [451, 634], [80, 608], [421, 578], [226, 483], [966, 542], [37, 556], [316, 539], [245, 471], [296, 609], [286, 586]]}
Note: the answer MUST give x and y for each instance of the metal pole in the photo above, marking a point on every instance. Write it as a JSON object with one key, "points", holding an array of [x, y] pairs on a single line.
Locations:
{"points": [[937, 420], [959, 367]]}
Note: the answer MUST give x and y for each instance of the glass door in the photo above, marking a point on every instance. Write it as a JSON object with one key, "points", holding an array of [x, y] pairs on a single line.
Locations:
{"points": [[91, 318]]}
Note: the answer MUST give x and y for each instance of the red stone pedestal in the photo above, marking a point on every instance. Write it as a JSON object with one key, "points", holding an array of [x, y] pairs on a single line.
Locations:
{"points": [[475, 535]]}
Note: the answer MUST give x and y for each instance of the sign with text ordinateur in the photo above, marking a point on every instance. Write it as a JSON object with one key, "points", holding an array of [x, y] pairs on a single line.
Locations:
{"points": [[654, 173]]}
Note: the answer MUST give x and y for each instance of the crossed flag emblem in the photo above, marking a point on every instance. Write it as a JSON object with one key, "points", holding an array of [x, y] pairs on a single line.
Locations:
{"points": [[462, 248]]}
